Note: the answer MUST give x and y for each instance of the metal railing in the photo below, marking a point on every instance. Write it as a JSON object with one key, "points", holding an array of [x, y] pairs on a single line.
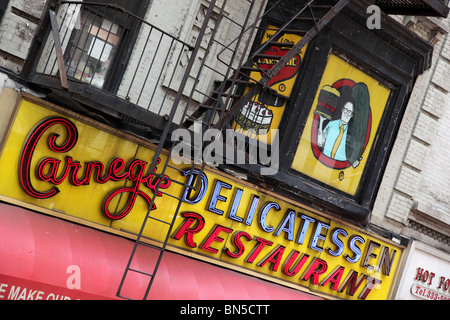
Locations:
{"points": [[95, 43]]}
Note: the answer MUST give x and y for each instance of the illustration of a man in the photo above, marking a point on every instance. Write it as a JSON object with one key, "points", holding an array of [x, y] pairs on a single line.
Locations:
{"points": [[334, 137], [343, 138]]}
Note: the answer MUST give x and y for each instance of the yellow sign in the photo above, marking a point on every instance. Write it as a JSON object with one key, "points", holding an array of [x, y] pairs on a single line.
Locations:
{"points": [[341, 126], [76, 167], [265, 110]]}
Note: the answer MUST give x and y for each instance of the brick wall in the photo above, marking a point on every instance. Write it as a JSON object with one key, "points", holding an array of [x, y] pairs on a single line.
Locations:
{"points": [[414, 196], [17, 29], [186, 18]]}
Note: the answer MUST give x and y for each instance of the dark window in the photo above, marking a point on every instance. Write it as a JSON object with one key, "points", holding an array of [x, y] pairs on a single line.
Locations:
{"points": [[92, 49], [3, 6], [99, 41]]}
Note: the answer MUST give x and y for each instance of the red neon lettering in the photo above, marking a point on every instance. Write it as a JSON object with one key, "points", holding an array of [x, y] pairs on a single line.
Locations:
{"points": [[334, 277], [214, 237], [134, 191], [50, 166], [273, 257], [371, 283], [115, 166], [129, 204], [30, 144], [99, 168], [74, 168], [236, 240], [135, 172], [47, 169], [187, 229], [258, 248], [153, 184], [290, 268], [316, 268], [354, 281]]}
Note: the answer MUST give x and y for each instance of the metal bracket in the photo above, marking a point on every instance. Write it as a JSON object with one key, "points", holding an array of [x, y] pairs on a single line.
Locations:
{"points": [[59, 54]]}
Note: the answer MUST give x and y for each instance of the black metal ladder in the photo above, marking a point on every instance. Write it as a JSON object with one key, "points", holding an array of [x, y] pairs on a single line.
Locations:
{"points": [[224, 103]]}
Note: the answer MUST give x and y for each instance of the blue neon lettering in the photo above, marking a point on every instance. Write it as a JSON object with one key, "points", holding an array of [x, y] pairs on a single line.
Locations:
{"points": [[216, 196], [338, 242], [263, 215]]}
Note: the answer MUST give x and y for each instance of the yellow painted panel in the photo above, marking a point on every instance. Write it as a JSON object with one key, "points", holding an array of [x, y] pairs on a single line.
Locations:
{"points": [[230, 221], [264, 114], [341, 83]]}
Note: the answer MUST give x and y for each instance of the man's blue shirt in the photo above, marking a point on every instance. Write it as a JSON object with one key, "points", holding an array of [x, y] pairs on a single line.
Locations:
{"points": [[331, 133]]}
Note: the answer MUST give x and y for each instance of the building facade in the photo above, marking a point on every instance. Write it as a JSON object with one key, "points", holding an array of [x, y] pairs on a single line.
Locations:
{"points": [[411, 199], [224, 149]]}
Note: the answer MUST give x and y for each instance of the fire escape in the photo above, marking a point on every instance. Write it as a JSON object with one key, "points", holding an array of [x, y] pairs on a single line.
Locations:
{"points": [[234, 88], [227, 100]]}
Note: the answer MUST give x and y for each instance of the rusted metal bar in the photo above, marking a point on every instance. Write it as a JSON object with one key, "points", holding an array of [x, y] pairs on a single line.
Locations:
{"points": [[303, 41], [59, 54]]}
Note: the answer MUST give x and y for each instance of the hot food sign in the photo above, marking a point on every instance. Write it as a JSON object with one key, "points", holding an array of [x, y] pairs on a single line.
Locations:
{"points": [[76, 168]]}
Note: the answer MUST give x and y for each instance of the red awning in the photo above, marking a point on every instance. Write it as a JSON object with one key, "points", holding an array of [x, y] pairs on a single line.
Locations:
{"points": [[43, 257]]}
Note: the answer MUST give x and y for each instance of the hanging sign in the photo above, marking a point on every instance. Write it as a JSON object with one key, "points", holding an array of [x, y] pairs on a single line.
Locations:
{"points": [[341, 127], [264, 111], [79, 169]]}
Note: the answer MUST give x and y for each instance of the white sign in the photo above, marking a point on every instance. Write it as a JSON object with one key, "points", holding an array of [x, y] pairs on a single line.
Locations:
{"points": [[426, 274]]}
